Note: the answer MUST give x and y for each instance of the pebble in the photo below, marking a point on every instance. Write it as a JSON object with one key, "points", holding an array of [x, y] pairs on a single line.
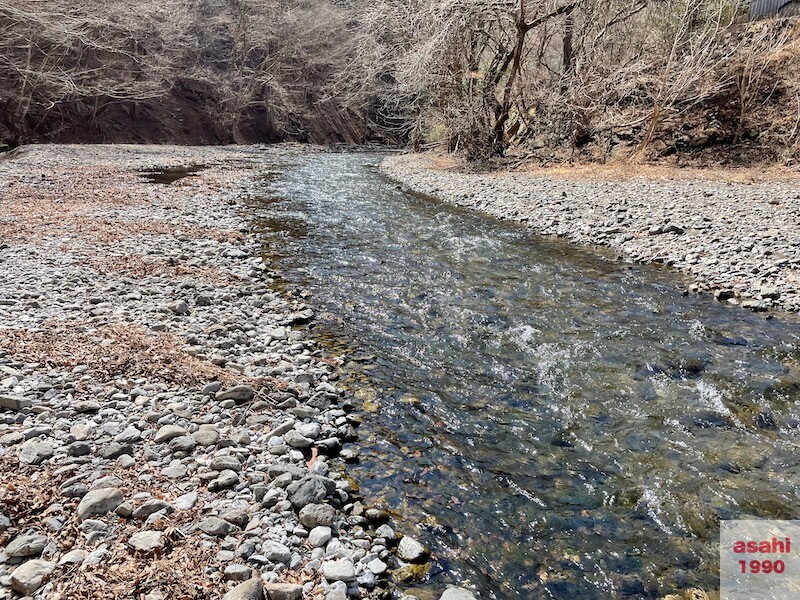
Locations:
{"points": [[339, 570], [99, 502], [26, 545], [252, 589], [30, 576], [410, 550], [146, 542], [457, 593]]}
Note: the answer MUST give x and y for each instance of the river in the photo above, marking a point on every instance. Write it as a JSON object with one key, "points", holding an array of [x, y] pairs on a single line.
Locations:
{"points": [[551, 422]]}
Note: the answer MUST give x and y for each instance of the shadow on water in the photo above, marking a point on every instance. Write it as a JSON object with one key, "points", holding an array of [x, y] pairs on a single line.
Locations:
{"points": [[552, 423], [168, 175]]}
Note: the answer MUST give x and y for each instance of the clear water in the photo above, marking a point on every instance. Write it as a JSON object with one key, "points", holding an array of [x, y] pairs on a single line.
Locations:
{"points": [[552, 423]]}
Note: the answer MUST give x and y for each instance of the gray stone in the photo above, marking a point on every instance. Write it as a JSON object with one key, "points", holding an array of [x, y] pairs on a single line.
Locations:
{"points": [[339, 570], [182, 443], [377, 566], [225, 463], [34, 452], [175, 471], [410, 550], [26, 545], [15, 402], [217, 527], [249, 590], [238, 573], [168, 432], [114, 450], [226, 479], [457, 593], [99, 502], [181, 307], [319, 536], [283, 591], [152, 506], [30, 576], [296, 440], [238, 393], [314, 515], [146, 542], [187, 501], [309, 490], [276, 552], [73, 557], [206, 437], [129, 436]]}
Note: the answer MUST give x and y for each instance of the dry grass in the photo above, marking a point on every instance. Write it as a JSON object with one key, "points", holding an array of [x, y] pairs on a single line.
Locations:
{"points": [[135, 265], [70, 203], [112, 351], [177, 572], [624, 171]]}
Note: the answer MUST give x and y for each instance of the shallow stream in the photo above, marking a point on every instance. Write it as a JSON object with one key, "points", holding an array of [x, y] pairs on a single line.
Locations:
{"points": [[551, 422]]}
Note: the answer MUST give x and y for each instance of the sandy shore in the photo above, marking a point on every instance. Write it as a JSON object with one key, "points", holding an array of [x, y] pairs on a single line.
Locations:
{"points": [[739, 241], [167, 428]]}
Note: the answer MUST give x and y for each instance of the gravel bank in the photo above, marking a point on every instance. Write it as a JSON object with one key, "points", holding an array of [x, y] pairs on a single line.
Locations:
{"points": [[167, 429], [740, 242]]}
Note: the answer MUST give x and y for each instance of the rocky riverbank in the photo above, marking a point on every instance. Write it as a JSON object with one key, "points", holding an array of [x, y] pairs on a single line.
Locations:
{"points": [[167, 427], [739, 241]]}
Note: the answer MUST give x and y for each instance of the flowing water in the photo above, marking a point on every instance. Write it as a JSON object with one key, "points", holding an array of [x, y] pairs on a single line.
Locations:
{"points": [[552, 423]]}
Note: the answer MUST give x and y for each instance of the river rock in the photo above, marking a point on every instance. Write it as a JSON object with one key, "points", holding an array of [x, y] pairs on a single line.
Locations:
{"points": [[276, 552], [309, 490], [457, 593], [283, 591], [410, 550], [339, 570], [226, 479], [238, 573], [217, 527], [30, 576], [99, 503], [314, 515], [238, 393], [146, 542], [152, 506], [225, 463], [15, 402], [319, 536], [34, 452], [26, 545], [249, 590], [168, 432], [296, 440]]}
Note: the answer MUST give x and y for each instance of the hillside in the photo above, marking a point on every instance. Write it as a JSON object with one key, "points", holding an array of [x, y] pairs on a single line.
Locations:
{"points": [[546, 81]]}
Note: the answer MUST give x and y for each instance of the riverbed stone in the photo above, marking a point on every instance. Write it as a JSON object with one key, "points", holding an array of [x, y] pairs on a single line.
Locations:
{"points": [[99, 503], [314, 515], [283, 591], [319, 536], [30, 576], [146, 542], [167, 433], [339, 570], [457, 593], [410, 550], [238, 393], [15, 403], [26, 545], [35, 452], [217, 527], [252, 589]]}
